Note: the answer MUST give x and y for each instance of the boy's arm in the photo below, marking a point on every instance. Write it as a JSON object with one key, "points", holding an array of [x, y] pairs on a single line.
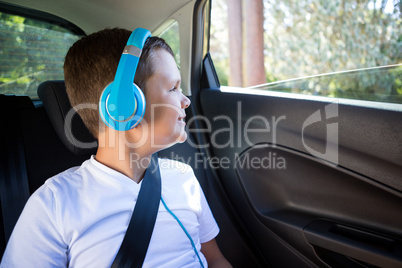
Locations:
{"points": [[208, 231], [35, 240], [213, 255]]}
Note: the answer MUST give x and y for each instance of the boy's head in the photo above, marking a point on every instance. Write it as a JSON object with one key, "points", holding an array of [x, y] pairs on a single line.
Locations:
{"points": [[91, 63]]}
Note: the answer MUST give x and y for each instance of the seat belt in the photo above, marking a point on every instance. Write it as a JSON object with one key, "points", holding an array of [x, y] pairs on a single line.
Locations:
{"points": [[138, 235], [14, 189]]}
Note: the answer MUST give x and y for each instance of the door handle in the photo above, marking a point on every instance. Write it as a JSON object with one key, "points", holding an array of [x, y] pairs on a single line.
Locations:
{"points": [[366, 246]]}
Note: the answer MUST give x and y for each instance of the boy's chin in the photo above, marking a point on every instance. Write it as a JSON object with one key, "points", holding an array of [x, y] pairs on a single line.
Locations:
{"points": [[180, 139]]}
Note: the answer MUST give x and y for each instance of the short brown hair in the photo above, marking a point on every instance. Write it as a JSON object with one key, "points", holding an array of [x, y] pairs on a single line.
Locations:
{"points": [[91, 63]]}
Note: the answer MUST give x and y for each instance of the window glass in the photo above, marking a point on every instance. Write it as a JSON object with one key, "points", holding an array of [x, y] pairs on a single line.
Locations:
{"points": [[340, 48], [32, 52], [172, 38]]}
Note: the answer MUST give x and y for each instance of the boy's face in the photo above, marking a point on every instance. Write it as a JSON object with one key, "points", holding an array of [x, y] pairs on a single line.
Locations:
{"points": [[165, 106]]}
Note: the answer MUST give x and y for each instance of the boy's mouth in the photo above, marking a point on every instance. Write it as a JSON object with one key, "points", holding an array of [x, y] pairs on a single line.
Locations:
{"points": [[181, 119]]}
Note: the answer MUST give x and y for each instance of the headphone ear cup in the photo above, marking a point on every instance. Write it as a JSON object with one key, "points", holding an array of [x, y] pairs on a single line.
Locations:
{"points": [[107, 107], [102, 107], [140, 109], [122, 103]]}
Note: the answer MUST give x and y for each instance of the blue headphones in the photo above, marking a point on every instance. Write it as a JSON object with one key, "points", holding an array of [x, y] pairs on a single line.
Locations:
{"points": [[122, 103]]}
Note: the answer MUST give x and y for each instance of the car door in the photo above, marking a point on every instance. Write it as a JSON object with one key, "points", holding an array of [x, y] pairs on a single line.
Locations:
{"points": [[310, 167]]}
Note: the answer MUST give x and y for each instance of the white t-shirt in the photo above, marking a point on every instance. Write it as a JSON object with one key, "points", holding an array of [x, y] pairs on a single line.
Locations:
{"points": [[79, 217]]}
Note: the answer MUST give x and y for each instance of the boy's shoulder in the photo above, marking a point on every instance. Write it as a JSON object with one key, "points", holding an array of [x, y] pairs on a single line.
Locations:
{"points": [[62, 178], [174, 166], [60, 185], [175, 174]]}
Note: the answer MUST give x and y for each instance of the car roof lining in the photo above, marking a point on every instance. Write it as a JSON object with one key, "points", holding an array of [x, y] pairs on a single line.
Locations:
{"points": [[94, 15]]}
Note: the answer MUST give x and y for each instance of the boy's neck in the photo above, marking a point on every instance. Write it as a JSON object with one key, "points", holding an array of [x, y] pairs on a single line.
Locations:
{"points": [[131, 162]]}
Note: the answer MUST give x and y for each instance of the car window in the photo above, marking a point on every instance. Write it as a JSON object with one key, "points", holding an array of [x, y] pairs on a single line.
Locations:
{"points": [[32, 52], [172, 38], [344, 49]]}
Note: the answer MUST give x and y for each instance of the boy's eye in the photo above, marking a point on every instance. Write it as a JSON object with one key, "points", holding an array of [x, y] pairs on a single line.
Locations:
{"points": [[176, 88]]}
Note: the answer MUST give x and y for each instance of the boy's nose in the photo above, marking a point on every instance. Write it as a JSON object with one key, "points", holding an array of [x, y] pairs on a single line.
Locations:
{"points": [[186, 102]]}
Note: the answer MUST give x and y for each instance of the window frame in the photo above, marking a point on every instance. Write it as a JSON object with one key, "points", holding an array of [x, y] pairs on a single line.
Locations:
{"points": [[41, 16]]}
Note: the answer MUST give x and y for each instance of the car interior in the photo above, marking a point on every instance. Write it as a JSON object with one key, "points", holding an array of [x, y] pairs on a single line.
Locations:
{"points": [[293, 180]]}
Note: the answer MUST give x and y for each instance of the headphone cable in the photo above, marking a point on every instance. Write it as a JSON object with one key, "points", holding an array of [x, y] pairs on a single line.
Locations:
{"points": [[184, 229]]}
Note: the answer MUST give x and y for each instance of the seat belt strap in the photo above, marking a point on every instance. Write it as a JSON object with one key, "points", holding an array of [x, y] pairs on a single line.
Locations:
{"points": [[138, 235], [14, 189]]}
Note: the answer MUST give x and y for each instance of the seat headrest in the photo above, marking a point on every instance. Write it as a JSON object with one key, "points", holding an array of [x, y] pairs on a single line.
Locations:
{"points": [[67, 123]]}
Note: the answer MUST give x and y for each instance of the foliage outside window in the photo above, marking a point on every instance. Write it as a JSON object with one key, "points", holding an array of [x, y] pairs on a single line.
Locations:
{"points": [[31, 52], [340, 48], [172, 38]]}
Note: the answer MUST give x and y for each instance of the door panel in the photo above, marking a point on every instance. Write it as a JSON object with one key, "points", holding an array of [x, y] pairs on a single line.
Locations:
{"points": [[315, 182]]}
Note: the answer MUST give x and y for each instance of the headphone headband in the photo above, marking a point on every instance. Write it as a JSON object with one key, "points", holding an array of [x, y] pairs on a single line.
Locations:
{"points": [[122, 104]]}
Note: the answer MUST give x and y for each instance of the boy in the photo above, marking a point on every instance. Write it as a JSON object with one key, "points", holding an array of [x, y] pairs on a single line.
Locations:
{"points": [[79, 217]]}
